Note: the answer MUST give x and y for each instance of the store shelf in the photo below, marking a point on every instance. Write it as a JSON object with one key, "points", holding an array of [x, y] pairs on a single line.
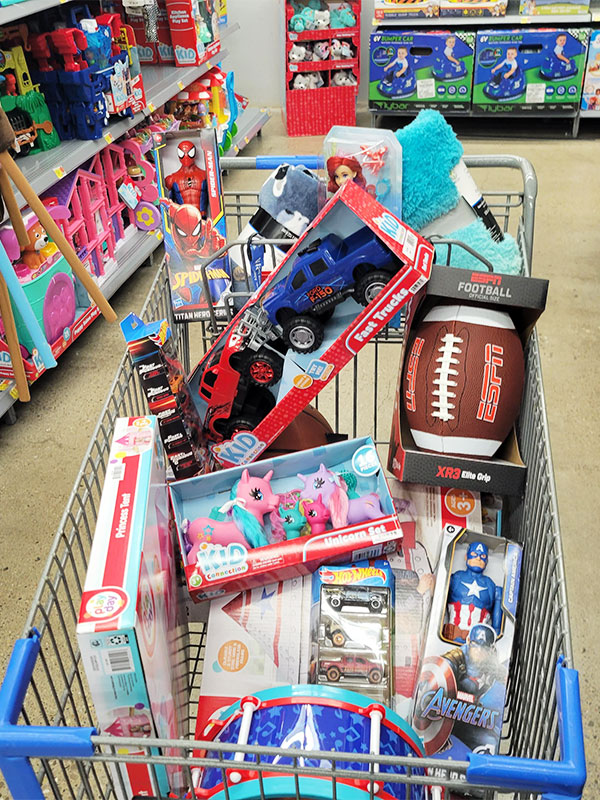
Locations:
{"points": [[589, 114], [249, 123], [42, 170], [6, 399], [130, 256], [512, 18], [18, 11]]}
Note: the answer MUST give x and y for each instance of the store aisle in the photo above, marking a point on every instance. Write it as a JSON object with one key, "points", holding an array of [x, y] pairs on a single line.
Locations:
{"points": [[41, 454]]}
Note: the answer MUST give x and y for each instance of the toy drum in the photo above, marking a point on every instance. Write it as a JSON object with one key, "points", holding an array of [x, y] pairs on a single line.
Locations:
{"points": [[310, 718]]}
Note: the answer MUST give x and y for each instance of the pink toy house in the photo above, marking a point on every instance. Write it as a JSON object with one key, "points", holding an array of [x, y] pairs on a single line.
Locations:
{"points": [[88, 229], [110, 164]]}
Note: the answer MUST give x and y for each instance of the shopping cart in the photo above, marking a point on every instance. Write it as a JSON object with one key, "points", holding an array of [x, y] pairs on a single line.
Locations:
{"points": [[48, 745]]}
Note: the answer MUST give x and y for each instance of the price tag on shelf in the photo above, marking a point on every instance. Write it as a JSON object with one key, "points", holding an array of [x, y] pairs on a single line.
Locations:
{"points": [[14, 393], [109, 138], [246, 139], [60, 172], [181, 84], [158, 234], [151, 108]]}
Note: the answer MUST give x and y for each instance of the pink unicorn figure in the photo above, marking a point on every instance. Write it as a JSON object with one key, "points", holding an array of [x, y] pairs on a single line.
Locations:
{"points": [[344, 510], [316, 513], [240, 520]]}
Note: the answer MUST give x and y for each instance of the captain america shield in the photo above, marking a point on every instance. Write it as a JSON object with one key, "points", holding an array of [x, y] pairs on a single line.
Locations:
{"points": [[437, 684]]}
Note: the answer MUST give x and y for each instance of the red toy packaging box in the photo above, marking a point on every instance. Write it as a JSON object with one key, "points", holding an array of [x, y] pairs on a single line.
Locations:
{"points": [[194, 31], [245, 527], [344, 280], [129, 631], [488, 318]]}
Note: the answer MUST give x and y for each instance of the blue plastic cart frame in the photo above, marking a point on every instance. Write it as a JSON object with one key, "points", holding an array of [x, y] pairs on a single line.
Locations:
{"points": [[48, 743]]}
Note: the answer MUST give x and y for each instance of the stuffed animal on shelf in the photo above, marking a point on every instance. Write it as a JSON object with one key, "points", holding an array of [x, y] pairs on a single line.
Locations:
{"points": [[300, 52], [301, 81], [303, 21], [342, 17], [320, 51], [340, 50], [321, 20], [343, 77]]}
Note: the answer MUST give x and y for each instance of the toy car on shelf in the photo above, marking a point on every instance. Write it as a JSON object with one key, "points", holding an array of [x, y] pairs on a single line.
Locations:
{"points": [[351, 666], [327, 272], [356, 596]]}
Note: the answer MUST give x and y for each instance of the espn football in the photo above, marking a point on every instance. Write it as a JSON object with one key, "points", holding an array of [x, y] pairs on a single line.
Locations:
{"points": [[463, 380]]}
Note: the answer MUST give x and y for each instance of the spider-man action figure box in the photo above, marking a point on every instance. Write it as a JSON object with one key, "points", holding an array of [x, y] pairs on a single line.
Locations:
{"points": [[461, 690], [193, 216]]}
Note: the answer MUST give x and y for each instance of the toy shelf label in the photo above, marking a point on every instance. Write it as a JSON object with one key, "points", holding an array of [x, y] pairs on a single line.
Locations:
{"points": [[60, 172], [151, 108], [109, 138]]}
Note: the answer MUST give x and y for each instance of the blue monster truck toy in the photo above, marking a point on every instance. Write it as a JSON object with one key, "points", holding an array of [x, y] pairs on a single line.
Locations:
{"points": [[325, 273]]}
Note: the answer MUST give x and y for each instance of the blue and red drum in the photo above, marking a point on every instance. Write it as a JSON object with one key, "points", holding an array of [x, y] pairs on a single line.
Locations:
{"points": [[310, 718]]}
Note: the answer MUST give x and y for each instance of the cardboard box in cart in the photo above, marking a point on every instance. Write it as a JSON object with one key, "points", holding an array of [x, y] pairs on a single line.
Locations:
{"points": [[128, 629], [220, 559], [525, 299], [307, 321]]}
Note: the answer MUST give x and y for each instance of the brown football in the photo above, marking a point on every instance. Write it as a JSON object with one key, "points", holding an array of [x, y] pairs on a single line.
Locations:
{"points": [[309, 429], [463, 380]]}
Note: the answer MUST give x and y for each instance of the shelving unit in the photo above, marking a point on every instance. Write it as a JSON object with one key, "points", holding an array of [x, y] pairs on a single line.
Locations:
{"points": [[161, 82], [18, 11]]}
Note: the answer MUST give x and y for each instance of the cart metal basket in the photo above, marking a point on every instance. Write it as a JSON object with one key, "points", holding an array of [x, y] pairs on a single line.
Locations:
{"points": [[48, 743]]}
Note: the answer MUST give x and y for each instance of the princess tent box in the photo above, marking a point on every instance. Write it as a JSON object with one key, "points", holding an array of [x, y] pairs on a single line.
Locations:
{"points": [[323, 505], [523, 299], [590, 99], [128, 629], [459, 705], [529, 70], [346, 278], [420, 69]]}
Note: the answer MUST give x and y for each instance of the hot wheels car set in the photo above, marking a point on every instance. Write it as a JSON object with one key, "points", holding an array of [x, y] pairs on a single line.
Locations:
{"points": [[420, 69]]}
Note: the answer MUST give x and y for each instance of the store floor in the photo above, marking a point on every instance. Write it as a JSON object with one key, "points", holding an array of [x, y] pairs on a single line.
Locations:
{"points": [[40, 455]]}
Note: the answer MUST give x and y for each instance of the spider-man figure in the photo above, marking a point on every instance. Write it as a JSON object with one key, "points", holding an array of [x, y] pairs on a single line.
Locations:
{"points": [[194, 237], [188, 184]]}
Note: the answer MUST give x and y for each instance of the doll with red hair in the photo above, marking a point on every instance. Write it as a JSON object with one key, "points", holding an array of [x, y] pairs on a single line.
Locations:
{"points": [[346, 168]]}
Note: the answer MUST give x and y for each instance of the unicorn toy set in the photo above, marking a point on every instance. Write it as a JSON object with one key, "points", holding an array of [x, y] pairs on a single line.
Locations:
{"points": [[291, 513]]}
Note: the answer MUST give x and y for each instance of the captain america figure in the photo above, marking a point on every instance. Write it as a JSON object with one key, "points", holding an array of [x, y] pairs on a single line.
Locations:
{"points": [[473, 598]]}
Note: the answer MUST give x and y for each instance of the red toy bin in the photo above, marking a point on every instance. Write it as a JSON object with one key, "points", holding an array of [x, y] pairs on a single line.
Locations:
{"points": [[312, 112]]}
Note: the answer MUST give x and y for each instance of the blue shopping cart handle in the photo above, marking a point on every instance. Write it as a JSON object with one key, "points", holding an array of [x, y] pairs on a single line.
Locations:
{"points": [[272, 162], [556, 780]]}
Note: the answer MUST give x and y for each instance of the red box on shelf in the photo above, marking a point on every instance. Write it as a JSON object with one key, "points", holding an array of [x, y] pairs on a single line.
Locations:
{"points": [[312, 112]]}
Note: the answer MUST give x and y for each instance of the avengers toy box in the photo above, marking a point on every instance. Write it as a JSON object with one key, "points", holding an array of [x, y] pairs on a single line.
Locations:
{"points": [[423, 511], [282, 517], [420, 69], [352, 621], [254, 641], [529, 70], [459, 704], [455, 427], [162, 377], [128, 628], [347, 277], [389, 10], [193, 217], [590, 99], [194, 32]]}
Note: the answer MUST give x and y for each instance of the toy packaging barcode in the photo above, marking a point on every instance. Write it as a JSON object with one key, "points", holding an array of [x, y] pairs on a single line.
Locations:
{"points": [[543, 726]]}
